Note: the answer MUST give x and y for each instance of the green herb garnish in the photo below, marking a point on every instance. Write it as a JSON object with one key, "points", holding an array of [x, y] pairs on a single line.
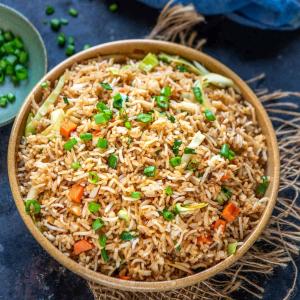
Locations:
{"points": [[126, 236], [97, 224], [144, 118], [86, 136], [226, 152], [150, 171], [112, 161], [32, 206], [70, 144], [175, 161]]}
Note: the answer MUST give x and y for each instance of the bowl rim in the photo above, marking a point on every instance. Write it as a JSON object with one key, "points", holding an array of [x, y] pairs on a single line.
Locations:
{"points": [[40, 39], [158, 46]]}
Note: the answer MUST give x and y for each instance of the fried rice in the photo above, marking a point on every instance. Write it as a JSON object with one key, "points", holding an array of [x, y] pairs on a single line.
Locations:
{"points": [[163, 179]]}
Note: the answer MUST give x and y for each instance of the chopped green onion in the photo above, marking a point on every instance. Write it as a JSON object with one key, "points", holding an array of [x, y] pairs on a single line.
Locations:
{"points": [[8, 35], [73, 12], [162, 102], [86, 136], [102, 240], [127, 124], [209, 115], [94, 207], [93, 177], [171, 118], [86, 46], [118, 100], [61, 39], [3, 101], [198, 94], [64, 21], [144, 118], [32, 206], [182, 68], [175, 161], [71, 40], [136, 195], [126, 236], [224, 195], [21, 72], [49, 10], [113, 7], [123, 214], [176, 145], [55, 24], [104, 255], [66, 100], [226, 152], [106, 86], [11, 97], [112, 161], [168, 215], [149, 62], [188, 150], [101, 118], [169, 191], [182, 209], [262, 187], [150, 171], [75, 165], [231, 248], [70, 144], [166, 91], [44, 85], [70, 50], [102, 143], [97, 224], [104, 109]]}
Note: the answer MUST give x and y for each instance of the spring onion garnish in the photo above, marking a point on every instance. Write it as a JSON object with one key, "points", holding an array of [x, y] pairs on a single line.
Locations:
{"points": [[198, 94], [102, 107], [231, 248], [136, 195], [104, 255], [70, 50], [32, 206], [86, 46], [94, 207], [226, 152], [66, 100], [182, 209], [70, 144], [101, 118], [113, 7], [102, 143], [44, 85], [175, 161], [55, 24], [93, 177], [49, 10], [181, 68], [166, 91], [106, 86], [75, 165], [112, 161], [196, 141], [71, 40], [209, 115], [169, 191], [162, 101], [224, 195], [262, 187], [126, 236], [127, 124], [123, 214], [168, 215], [102, 240], [171, 118], [118, 101], [64, 21], [86, 136], [150, 171], [3, 101], [73, 12], [176, 145], [188, 150], [97, 224], [144, 118], [61, 39], [149, 62]]}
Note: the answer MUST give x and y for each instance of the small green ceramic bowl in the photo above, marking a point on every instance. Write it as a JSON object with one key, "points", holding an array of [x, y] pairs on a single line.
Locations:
{"points": [[19, 25]]}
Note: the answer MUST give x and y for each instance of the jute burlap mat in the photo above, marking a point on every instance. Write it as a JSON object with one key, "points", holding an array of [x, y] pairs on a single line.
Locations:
{"points": [[280, 241]]}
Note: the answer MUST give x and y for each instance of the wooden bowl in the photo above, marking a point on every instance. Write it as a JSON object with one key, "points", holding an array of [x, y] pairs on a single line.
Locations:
{"points": [[140, 48]]}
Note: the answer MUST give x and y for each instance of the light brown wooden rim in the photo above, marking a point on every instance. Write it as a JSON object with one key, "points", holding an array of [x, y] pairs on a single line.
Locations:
{"points": [[129, 47]]}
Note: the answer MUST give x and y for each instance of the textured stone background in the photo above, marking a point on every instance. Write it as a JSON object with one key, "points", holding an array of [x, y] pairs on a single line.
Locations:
{"points": [[26, 271]]}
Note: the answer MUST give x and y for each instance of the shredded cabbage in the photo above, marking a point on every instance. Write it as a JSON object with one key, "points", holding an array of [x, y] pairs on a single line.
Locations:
{"points": [[188, 208], [57, 116]]}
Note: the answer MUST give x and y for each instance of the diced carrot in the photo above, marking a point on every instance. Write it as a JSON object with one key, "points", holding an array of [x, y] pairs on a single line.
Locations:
{"points": [[230, 212], [76, 193], [82, 246], [219, 223], [124, 277], [225, 176], [66, 128], [204, 239]]}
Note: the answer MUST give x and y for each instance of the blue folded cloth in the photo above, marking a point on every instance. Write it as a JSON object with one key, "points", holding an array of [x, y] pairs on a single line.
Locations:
{"points": [[264, 14]]}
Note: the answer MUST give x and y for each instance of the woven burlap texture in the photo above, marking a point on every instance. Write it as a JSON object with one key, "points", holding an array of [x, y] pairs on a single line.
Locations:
{"points": [[279, 242]]}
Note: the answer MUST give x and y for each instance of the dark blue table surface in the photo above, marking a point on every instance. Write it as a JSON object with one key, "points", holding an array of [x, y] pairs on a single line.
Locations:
{"points": [[26, 271]]}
